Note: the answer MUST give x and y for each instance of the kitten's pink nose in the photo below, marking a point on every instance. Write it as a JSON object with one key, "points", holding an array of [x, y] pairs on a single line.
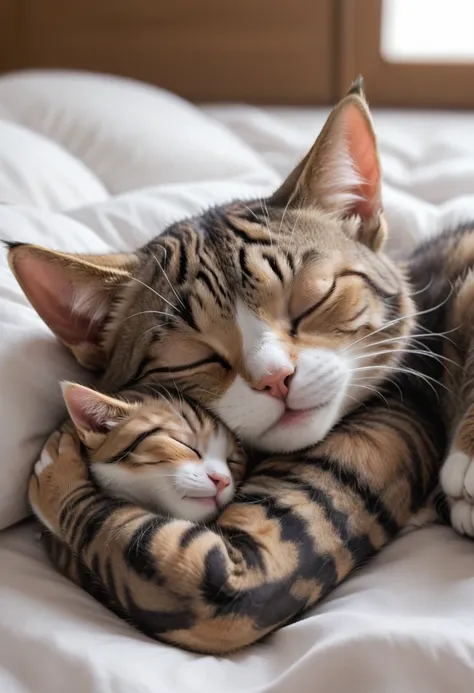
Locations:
{"points": [[274, 382], [220, 481]]}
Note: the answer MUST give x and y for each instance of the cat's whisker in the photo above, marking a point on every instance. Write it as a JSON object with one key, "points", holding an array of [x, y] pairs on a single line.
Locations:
{"points": [[408, 338], [389, 340], [354, 399], [421, 345], [251, 211], [293, 231], [154, 291], [266, 218], [386, 380], [241, 496], [212, 393], [421, 291], [408, 371], [135, 545], [281, 222], [122, 527], [391, 323], [264, 208], [419, 352], [144, 312], [166, 395], [428, 333], [179, 299], [178, 393], [154, 327], [374, 390]]}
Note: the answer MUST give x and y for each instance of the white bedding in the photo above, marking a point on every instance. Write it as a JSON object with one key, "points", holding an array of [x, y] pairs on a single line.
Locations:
{"points": [[92, 164]]}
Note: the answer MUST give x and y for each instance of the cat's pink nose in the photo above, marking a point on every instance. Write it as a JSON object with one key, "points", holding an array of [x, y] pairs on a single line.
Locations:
{"points": [[220, 481], [275, 383]]}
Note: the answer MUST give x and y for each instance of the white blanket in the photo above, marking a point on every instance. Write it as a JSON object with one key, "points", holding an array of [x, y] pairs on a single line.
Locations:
{"points": [[92, 164]]}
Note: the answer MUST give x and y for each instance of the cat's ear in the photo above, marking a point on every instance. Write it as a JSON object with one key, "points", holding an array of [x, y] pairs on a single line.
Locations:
{"points": [[341, 172], [72, 293], [92, 413]]}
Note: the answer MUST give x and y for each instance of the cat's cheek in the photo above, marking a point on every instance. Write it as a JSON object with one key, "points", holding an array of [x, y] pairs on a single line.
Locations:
{"points": [[247, 412], [225, 497]]}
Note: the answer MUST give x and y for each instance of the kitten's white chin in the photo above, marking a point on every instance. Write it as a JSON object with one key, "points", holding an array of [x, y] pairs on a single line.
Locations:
{"points": [[197, 509]]}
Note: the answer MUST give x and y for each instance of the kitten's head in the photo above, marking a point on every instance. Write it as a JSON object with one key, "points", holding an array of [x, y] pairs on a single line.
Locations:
{"points": [[162, 453], [279, 315]]}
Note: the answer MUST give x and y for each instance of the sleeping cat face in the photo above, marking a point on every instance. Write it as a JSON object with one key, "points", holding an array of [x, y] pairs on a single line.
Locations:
{"points": [[280, 316], [161, 453]]}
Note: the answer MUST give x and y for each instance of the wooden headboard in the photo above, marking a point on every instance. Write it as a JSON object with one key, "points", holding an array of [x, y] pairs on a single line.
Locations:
{"points": [[260, 51]]}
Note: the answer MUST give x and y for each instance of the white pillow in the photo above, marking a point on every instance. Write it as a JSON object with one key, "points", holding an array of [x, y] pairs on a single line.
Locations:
{"points": [[129, 134], [31, 360], [36, 171]]}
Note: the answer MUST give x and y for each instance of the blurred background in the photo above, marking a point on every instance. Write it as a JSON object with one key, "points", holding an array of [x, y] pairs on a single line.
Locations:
{"points": [[413, 53]]}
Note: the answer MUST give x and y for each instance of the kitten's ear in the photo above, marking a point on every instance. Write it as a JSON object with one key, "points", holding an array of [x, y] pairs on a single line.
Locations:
{"points": [[341, 172], [92, 413], [72, 293]]}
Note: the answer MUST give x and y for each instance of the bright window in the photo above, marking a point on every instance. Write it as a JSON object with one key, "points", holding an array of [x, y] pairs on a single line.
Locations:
{"points": [[424, 31]]}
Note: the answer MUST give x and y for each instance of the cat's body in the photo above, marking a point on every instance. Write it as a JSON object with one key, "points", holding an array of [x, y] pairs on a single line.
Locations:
{"points": [[281, 318], [442, 272]]}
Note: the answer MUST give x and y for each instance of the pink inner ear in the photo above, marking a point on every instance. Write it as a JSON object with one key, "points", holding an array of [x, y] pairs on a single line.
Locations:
{"points": [[362, 150], [86, 409], [51, 293]]}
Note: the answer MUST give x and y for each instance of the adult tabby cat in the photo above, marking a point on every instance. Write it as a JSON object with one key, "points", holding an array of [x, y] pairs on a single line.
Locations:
{"points": [[280, 317]]}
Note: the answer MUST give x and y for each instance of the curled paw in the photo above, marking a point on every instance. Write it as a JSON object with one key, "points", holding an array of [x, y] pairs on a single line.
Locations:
{"points": [[48, 454], [59, 470], [457, 480], [462, 517]]}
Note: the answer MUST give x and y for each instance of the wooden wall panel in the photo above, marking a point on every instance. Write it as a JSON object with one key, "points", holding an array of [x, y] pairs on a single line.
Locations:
{"points": [[9, 32], [262, 51], [396, 84]]}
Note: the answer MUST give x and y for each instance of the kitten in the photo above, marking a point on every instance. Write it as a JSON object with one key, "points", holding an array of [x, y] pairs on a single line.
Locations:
{"points": [[162, 453]]}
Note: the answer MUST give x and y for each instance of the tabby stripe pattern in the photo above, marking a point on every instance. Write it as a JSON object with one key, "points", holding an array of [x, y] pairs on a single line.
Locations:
{"points": [[300, 525]]}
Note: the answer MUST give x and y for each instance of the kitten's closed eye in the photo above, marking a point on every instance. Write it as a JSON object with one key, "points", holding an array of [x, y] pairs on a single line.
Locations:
{"points": [[186, 445]]}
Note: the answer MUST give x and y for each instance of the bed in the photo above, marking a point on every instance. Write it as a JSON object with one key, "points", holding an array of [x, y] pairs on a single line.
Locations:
{"points": [[93, 163]]}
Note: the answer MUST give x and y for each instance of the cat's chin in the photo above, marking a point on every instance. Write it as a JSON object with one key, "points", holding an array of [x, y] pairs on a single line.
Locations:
{"points": [[193, 508], [301, 428], [187, 508], [197, 509]]}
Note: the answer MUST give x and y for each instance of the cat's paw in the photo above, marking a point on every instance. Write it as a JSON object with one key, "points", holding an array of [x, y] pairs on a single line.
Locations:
{"points": [[56, 474], [46, 457], [462, 517], [457, 480]]}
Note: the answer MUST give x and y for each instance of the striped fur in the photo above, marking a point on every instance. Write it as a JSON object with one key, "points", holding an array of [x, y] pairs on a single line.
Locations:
{"points": [[445, 268], [298, 283], [300, 525], [216, 305]]}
